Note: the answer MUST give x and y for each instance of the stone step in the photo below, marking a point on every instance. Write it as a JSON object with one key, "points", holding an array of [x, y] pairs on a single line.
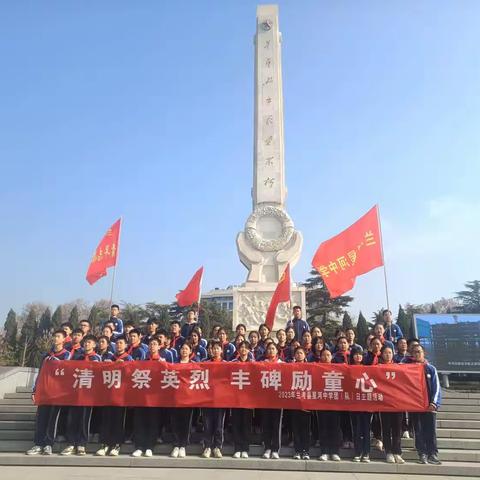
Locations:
{"points": [[445, 401], [455, 433], [17, 408], [23, 390], [447, 454], [17, 416], [16, 401], [17, 395], [459, 394], [284, 464], [459, 424], [17, 425], [442, 415], [16, 435], [460, 408]]}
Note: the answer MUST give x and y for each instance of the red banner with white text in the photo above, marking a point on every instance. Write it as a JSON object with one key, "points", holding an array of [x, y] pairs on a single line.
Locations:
{"points": [[310, 386]]}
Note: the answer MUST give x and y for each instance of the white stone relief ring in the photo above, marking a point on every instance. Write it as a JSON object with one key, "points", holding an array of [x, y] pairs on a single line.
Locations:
{"points": [[254, 236]]}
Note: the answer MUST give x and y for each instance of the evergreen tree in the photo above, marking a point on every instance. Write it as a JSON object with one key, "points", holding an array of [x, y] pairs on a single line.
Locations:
{"points": [[347, 321], [403, 321], [212, 314], [73, 318], [470, 298], [321, 307], [362, 330], [11, 329], [377, 316], [27, 339], [57, 318], [99, 313], [160, 312], [433, 309], [45, 324]]}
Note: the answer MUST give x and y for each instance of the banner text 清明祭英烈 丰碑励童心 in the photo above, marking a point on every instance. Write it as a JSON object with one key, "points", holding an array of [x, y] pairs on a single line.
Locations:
{"points": [[310, 386]]}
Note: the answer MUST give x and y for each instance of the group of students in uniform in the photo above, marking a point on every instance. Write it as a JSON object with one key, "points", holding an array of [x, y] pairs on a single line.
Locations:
{"points": [[298, 342]]}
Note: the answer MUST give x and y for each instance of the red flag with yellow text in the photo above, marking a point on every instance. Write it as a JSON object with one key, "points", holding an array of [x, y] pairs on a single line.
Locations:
{"points": [[281, 294], [191, 294], [355, 251], [105, 254]]}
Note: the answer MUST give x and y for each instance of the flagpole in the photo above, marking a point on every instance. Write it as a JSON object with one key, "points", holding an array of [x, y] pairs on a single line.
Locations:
{"points": [[115, 266], [383, 257]]}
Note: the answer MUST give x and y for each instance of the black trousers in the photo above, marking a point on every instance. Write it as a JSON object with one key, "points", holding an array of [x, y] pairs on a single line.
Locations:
{"points": [[425, 426], [346, 426], [241, 426], [376, 426], [214, 419], [271, 428], [145, 427], [301, 430], [361, 432], [392, 432], [181, 423], [330, 433], [113, 426], [78, 425], [46, 425]]}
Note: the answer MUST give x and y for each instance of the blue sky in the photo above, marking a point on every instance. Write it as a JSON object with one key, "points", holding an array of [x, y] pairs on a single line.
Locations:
{"points": [[144, 109]]}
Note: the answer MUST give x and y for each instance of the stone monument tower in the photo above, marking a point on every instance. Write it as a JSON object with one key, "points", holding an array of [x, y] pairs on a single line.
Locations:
{"points": [[269, 240]]}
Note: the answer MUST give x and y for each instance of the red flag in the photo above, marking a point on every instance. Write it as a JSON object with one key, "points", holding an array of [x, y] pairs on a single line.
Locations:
{"points": [[281, 294], [191, 294], [355, 251], [105, 254]]}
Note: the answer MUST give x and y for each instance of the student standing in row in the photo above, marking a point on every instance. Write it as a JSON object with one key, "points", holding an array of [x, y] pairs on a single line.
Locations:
{"points": [[329, 426], [360, 420], [78, 420], [182, 417], [113, 418], [391, 422], [301, 420], [214, 417], [47, 415], [425, 423], [242, 417], [271, 418]]}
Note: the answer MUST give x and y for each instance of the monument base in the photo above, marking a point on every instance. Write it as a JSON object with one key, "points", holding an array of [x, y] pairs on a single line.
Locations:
{"points": [[251, 302]]}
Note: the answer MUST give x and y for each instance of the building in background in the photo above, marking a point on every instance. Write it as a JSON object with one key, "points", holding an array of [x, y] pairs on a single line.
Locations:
{"points": [[223, 297]]}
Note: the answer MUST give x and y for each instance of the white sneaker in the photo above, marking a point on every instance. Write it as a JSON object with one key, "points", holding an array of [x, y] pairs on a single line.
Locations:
{"points": [[81, 451], [67, 450], [175, 452], [406, 434], [390, 458], [47, 450], [297, 456], [267, 453], [275, 455], [335, 457], [181, 452], [323, 457], [102, 451], [378, 444], [207, 453], [137, 453], [148, 453], [217, 453], [366, 459], [35, 450], [399, 459], [237, 454], [356, 459], [114, 451], [244, 454]]}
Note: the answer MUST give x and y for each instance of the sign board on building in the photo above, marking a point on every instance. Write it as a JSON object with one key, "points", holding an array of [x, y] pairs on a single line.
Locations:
{"points": [[452, 341]]}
